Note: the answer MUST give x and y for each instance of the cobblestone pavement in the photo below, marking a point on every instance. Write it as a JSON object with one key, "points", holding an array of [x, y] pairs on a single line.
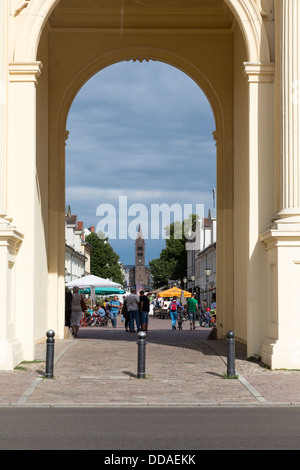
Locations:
{"points": [[183, 368]]}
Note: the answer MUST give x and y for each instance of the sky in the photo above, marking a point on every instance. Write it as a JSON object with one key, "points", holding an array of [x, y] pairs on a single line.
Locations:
{"points": [[140, 135]]}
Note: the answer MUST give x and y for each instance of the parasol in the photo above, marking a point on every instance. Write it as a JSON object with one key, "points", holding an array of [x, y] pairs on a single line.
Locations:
{"points": [[174, 291], [92, 282]]}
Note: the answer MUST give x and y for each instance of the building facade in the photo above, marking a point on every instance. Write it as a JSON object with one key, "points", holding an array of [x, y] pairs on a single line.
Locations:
{"points": [[77, 250], [245, 55], [205, 257]]}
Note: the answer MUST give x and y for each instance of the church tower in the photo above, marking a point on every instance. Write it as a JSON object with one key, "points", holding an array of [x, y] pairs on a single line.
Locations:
{"points": [[140, 274]]}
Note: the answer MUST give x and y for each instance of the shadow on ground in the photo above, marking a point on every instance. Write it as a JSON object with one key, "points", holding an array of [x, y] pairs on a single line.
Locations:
{"points": [[161, 333]]}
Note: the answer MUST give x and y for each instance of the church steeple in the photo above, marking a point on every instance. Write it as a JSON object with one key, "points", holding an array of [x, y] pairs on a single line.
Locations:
{"points": [[140, 233], [140, 257]]}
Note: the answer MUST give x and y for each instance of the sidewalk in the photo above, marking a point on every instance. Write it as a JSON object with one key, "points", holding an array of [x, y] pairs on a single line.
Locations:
{"points": [[183, 368]]}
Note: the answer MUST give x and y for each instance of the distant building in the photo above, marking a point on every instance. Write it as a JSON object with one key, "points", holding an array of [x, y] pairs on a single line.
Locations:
{"points": [[139, 274], [125, 274], [77, 250], [86, 249], [201, 259]]}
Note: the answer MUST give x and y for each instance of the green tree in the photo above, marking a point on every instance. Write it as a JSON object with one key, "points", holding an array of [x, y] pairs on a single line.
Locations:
{"points": [[162, 269], [104, 260], [172, 262]]}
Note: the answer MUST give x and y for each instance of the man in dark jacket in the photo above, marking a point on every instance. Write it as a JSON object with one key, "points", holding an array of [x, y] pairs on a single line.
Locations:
{"points": [[68, 307]]}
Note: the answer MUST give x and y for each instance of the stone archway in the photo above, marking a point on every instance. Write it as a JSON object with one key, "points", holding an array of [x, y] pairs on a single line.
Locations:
{"points": [[96, 65], [231, 63], [68, 84]]}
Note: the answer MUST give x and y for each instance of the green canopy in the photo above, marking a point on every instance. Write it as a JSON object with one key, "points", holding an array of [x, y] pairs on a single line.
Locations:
{"points": [[105, 291]]}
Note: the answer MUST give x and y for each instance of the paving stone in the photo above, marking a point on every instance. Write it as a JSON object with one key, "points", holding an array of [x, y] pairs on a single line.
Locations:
{"points": [[183, 368]]}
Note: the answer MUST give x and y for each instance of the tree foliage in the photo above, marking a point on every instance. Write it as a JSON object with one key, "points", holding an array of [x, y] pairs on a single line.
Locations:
{"points": [[104, 260], [172, 262]]}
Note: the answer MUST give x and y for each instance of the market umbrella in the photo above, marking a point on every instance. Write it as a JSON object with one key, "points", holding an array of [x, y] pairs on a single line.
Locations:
{"points": [[92, 282], [105, 290], [174, 291]]}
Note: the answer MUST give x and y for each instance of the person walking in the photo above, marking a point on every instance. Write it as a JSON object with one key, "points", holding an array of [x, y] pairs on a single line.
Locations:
{"points": [[68, 307], [193, 310], [78, 309], [125, 314], [114, 306], [144, 309], [133, 307], [173, 308], [207, 315]]}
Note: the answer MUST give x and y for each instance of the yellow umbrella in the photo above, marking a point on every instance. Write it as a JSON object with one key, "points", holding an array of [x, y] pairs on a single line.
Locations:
{"points": [[174, 291]]}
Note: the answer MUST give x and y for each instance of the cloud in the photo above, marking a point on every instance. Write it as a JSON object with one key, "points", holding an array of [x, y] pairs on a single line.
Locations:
{"points": [[157, 196], [141, 130]]}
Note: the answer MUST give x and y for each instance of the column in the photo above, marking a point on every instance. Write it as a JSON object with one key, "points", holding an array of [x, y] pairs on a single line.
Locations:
{"points": [[3, 102], [23, 197], [288, 96], [281, 347], [10, 238], [261, 175]]}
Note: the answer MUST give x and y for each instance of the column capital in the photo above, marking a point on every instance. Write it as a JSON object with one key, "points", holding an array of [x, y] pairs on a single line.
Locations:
{"points": [[259, 72], [25, 71], [9, 236]]}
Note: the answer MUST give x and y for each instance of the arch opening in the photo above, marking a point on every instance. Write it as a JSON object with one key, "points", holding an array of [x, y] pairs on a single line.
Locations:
{"points": [[154, 131], [81, 54]]}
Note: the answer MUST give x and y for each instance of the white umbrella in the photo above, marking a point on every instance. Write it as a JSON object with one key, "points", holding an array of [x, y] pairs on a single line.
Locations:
{"points": [[92, 282]]}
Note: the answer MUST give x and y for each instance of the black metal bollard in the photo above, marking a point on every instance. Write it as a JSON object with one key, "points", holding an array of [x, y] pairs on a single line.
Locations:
{"points": [[50, 354], [230, 354], [141, 355]]}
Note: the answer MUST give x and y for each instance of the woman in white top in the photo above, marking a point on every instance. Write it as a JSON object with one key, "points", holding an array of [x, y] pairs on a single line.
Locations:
{"points": [[77, 312]]}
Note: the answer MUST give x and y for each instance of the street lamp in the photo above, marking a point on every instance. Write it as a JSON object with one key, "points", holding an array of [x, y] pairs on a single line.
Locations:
{"points": [[184, 282], [193, 281], [207, 274]]}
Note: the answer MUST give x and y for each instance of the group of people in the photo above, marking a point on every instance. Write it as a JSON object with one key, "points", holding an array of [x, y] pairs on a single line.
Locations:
{"points": [[76, 308], [175, 308], [193, 311], [136, 311]]}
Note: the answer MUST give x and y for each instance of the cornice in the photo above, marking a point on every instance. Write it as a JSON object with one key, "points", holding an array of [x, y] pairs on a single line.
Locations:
{"points": [[259, 72], [9, 236], [24, 71]]}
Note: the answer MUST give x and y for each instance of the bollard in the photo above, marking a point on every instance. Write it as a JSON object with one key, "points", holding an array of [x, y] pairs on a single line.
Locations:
{"points": [[230, 354], [50, 354], [141, 354]]}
